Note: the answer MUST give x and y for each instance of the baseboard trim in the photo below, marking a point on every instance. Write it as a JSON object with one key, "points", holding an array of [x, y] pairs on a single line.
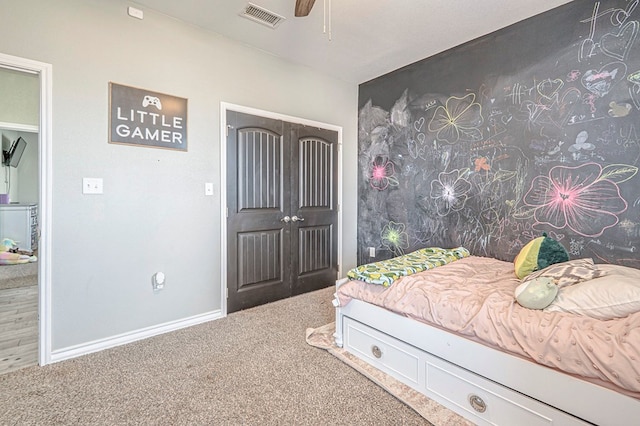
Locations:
{"points": [[132, 336]]}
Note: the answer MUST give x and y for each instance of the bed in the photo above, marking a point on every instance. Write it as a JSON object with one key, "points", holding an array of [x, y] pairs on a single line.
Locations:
{"points": [[456, 333]]}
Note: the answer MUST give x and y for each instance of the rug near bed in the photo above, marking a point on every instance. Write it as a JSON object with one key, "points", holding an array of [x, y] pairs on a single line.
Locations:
{"points": [[436, 414], [17, 276]]}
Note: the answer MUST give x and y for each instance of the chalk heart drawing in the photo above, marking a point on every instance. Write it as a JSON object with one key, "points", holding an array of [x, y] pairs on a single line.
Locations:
{"points": [[621, 15], [587, 48], [549, 88], [419, 124], [506, 119], [618, 45], [599, 82], [418, 148]]}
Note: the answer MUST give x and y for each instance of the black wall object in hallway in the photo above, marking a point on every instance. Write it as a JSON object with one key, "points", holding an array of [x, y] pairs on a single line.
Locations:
{"points": [[531, 129]]}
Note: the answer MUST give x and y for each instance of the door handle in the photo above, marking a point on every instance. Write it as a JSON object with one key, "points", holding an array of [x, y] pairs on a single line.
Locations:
{"points": [[286, 219], [296, 219]]}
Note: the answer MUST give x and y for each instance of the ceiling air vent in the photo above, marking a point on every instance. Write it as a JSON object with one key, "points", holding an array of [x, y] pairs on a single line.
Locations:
{"points": [[261, 15]]}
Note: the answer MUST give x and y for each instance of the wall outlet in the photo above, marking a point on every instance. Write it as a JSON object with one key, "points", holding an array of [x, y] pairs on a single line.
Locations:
{"points": [[157, 281], [92, 185], [372, 252]]}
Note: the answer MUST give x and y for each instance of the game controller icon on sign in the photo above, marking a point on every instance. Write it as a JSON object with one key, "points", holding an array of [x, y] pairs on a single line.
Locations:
{"points": [[151, 100]]}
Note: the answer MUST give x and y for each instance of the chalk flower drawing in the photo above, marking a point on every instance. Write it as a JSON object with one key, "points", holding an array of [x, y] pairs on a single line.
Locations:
{"points": [[585, 199], [382, 174], [459, 119], [449, 191], [395, 238]]}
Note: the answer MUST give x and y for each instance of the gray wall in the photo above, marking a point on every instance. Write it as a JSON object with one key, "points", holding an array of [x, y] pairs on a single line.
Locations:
{"points": [[153, 215], [19, 102]]}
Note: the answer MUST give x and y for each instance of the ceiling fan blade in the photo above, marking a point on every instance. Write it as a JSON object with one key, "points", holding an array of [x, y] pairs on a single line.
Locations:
{"points": [[303, 7]]}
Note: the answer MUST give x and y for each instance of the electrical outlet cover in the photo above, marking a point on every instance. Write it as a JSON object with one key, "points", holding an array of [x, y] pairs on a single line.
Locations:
{"points": [[92, 185]]}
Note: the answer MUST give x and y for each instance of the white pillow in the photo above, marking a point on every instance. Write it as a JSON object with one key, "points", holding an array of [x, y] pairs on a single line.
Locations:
{"points": [[614, 295]]}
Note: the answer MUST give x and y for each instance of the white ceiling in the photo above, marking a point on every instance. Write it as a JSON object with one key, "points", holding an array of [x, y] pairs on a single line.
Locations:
{"points": [[369, 38]]}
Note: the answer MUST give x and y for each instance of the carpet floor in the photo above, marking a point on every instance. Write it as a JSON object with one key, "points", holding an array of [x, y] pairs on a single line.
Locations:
{"points": [[253, 367]]}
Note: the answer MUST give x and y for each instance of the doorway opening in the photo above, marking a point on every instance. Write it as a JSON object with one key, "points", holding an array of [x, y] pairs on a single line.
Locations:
{"points": [[25, 213]]}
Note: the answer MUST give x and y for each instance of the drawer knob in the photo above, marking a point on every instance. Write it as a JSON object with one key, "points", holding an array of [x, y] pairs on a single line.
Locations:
{"points": [[376, 351], [477, 403]]}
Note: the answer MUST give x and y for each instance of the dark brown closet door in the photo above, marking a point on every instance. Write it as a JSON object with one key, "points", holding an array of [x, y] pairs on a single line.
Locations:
{"points": [[282, 209], [314, 200]]}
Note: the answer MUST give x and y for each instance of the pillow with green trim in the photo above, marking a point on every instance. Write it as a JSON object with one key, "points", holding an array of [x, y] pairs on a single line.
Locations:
{"points": [[537, 293], [538, 254]]}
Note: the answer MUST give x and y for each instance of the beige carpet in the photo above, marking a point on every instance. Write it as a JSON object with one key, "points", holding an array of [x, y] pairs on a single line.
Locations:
{"points": [[435, 413], [253, 367]]}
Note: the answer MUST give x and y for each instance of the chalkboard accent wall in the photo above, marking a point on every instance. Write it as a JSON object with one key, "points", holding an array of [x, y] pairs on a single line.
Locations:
{"points": [[534, 128]]}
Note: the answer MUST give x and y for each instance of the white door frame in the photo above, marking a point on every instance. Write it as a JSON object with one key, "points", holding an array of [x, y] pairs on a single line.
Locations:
{"points": [[224, 107], [44, 70]]}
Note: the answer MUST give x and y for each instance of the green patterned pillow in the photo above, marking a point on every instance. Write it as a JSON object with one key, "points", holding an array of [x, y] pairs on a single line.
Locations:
{"points": [[386, 272], [538, 254]]}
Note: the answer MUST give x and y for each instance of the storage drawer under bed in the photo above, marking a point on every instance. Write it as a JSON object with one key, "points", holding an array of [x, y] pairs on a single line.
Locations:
{"points": [[470, 395]]}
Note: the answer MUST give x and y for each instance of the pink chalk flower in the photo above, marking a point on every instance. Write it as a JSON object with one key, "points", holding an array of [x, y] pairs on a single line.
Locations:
{"points": [[579, 198], [382, 174]]}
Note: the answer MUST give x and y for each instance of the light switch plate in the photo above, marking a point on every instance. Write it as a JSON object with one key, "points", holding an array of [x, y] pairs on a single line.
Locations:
{"points": [[208, 188], [92, 185]]}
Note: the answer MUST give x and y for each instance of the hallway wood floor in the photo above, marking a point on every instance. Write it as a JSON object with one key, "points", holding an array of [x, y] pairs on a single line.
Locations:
{"points": [[18, 328]]}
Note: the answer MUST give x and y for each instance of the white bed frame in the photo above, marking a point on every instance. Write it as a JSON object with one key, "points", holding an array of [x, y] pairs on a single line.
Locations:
{"points": [[484, 385]]}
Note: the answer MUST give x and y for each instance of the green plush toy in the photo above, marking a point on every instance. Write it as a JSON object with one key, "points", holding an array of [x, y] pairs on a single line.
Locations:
{"points": [[538, 254], [537, 293]]}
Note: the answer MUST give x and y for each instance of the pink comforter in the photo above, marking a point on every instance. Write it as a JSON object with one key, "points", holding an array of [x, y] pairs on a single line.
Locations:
{"points": [[474, 297]]}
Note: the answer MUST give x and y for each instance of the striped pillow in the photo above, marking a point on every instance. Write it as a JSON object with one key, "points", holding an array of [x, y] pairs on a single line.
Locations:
{"points": [[568, 273]]}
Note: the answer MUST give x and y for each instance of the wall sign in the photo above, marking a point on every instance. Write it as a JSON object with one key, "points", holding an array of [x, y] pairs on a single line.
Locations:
{"points": [[146, 118]]}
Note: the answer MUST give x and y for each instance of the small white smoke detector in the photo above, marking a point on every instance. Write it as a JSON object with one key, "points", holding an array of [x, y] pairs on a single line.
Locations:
{"points": [[135, 13]]}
